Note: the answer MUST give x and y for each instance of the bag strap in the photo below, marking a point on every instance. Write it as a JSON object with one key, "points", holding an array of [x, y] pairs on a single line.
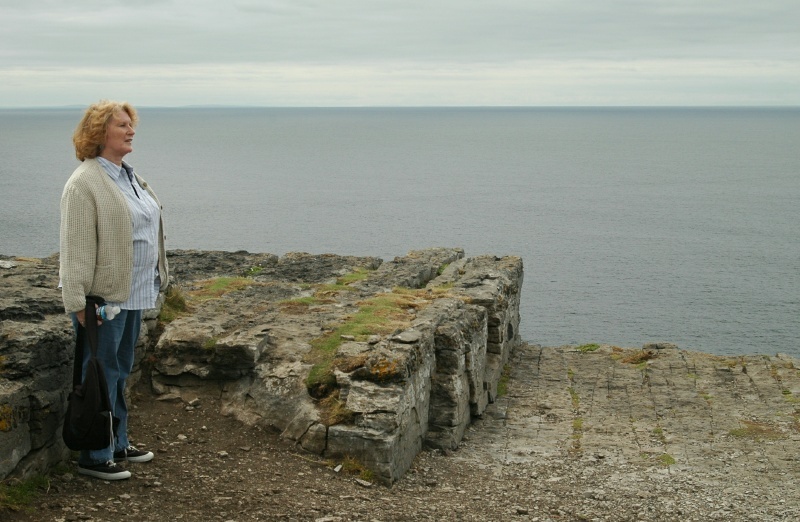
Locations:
{"points": [[90, 318]]}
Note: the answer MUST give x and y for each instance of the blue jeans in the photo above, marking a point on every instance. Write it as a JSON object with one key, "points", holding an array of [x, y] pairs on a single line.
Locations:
{"points": [[116, 340]]}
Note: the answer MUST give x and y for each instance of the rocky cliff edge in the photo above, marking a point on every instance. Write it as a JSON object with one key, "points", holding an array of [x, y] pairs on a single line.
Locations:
{"points": [[346, 356]]}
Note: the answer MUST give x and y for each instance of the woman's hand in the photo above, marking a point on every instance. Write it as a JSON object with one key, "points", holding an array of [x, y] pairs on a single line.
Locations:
{"points": [[80, 315]]}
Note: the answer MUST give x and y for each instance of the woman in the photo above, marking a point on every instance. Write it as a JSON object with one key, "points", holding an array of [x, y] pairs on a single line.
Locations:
{"points": [[112, 246]]}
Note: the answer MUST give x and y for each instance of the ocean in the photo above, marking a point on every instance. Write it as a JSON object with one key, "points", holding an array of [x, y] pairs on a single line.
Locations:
{"points": [[634, 224]]}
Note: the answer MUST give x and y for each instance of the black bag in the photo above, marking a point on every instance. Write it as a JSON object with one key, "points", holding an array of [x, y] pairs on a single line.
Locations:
{"points": [[89, 423]]}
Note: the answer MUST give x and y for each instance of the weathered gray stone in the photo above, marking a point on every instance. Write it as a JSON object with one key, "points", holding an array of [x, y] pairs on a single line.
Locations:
{"points": [[15, 414], [368, 397], [659, 346], [407, 337], [315, 439], [37, 347], [414, 270], [457, 385], [305, 417], [420, 384]]}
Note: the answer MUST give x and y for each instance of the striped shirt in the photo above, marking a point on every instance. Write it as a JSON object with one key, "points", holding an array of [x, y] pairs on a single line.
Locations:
{"points": [[145, 218]]}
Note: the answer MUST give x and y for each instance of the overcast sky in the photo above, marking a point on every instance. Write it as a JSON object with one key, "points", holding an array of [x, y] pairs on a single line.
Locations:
{"points": [[400, 52]]}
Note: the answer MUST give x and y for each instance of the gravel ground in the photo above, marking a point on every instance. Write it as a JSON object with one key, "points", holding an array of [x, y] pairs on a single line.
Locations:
{"points": [[209, 467], [526, 459]]}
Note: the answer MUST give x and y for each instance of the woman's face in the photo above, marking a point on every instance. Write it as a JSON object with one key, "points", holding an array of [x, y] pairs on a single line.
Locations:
{"points": [[119, 137]]}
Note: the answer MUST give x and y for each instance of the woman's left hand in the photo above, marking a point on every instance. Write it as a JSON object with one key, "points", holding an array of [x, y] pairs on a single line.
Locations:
{"points": [[80, 315]]}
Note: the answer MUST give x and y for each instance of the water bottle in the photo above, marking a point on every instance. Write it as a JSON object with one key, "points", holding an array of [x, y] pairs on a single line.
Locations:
{"points": [[107, 312]]}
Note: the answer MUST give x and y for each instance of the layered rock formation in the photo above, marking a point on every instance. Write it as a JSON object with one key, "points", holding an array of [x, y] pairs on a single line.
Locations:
{"points": [[36, 352], [272, 337], [35, 364]]}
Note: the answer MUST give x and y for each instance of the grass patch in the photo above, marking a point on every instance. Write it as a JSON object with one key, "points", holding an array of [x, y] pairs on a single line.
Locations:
{"points": [[177, 301], [659, 435], [576, 400], [376, 316], [639, 357], [502, 384], [588, 348], [756, 431], [333, 410], [305, 301], [342, 284], [617, 353], [353, 466], [666, 460], [379, 315], [219, 286], [321, 381], [301, 305], [359, 274], [253, 271], [789, 397], [18, 495], [577, 435], [174, 305]]}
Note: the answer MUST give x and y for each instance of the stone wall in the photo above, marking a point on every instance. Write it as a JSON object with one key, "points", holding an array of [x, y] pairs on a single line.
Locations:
{"points": [[449, 365], [35, 365], [419, 385], [37, 347]]}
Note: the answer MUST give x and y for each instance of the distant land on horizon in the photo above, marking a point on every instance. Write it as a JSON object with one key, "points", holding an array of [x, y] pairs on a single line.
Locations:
{"points": [[235, 106]]}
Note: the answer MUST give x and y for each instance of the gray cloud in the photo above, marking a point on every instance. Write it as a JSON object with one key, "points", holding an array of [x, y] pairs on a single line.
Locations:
{"points": [[41, 35]]}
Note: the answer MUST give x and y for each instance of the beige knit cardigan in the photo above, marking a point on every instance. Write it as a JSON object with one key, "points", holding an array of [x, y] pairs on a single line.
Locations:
{"points": [[97, 238]]}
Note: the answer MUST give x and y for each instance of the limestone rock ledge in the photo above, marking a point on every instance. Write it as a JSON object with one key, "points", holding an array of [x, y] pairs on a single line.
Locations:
{"points": [[37, 347], [419, 385], [252, 347]]}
